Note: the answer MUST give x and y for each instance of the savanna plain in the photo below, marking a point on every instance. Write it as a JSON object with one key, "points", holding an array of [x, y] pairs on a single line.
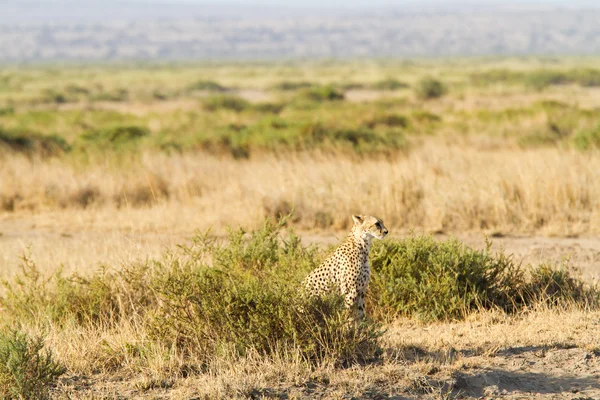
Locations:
{"points": [[156, 222]]}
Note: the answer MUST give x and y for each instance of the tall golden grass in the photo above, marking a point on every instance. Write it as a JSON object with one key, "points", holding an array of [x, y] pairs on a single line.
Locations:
{"points": [[436, 187]]}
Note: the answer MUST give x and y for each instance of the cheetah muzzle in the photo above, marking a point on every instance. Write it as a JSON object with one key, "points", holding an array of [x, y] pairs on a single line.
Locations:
{"points": [[347, 270]]}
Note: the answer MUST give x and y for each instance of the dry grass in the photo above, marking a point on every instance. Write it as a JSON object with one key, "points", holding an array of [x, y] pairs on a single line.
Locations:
{"points": [[489, 352], [437, 187]]}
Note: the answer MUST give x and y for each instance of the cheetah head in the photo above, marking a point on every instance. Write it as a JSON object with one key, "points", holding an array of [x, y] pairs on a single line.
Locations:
{"points": [[369, 227]]}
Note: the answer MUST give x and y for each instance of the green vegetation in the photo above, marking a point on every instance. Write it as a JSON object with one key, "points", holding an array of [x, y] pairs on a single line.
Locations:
{"points": [[420, 277], [430, 88], [32, 143], [208, 86], [27, 370], [232, 103], [539, 79], [587, 139], [321, 94], [117, 136], [248, 110]]}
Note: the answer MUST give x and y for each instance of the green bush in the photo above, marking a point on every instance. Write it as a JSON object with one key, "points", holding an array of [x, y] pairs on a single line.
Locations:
{"points": [[272, 108], [27, 371], [4, 111], [208, 86], [292, 85], [587, 139], [223, 102], [554, 286], [33, 143], [321, 94], [392, 120], [117, 95], [116, 136], [543, 78], [54, 96], [432, 280], [588, 77], [430, 88], [248, 300]]}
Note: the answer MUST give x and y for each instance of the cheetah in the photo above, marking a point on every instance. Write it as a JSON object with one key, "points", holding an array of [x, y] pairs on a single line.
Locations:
{"points": [[347, 270]]}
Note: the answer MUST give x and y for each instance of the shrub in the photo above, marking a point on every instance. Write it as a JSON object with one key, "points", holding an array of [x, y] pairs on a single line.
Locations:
{"points": [[587, 139], [116, 136], [117, 95], [6, 111], [322, 93], [430, 88], [441, 280], [543, 78], [392, 120], [361, 139], [33, 143], [549, 285], [27, 371], [292, 85], [54, 96], [232, 103], [248, 301], [588, 77], [273, 108], [209, 86], [430, 280]]}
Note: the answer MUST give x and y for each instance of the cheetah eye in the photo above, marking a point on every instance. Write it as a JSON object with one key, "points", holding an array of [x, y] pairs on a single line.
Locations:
{"points": [[378, 225]]}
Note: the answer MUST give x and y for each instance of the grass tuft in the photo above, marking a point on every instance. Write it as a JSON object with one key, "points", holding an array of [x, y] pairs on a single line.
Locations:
{"points": [[27, 370]]}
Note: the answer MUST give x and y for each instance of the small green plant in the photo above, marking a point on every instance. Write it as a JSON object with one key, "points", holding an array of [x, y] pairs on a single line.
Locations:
{"points": [[27, 370], [429, 88], [550, 285]]}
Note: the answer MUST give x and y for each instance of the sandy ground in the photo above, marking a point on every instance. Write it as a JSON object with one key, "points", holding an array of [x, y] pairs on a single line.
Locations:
{"points": [[87, 242]]}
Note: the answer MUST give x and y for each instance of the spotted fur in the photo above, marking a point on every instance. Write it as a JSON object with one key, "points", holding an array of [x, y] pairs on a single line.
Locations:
{"points": [[347, 270]]}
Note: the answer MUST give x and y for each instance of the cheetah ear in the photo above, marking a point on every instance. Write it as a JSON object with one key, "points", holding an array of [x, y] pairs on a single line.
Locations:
{"points": [[358, 219]]}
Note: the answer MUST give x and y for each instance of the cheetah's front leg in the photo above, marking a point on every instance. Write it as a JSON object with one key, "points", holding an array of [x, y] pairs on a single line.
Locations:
{"points": [[353, 300], [360, 301]]}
